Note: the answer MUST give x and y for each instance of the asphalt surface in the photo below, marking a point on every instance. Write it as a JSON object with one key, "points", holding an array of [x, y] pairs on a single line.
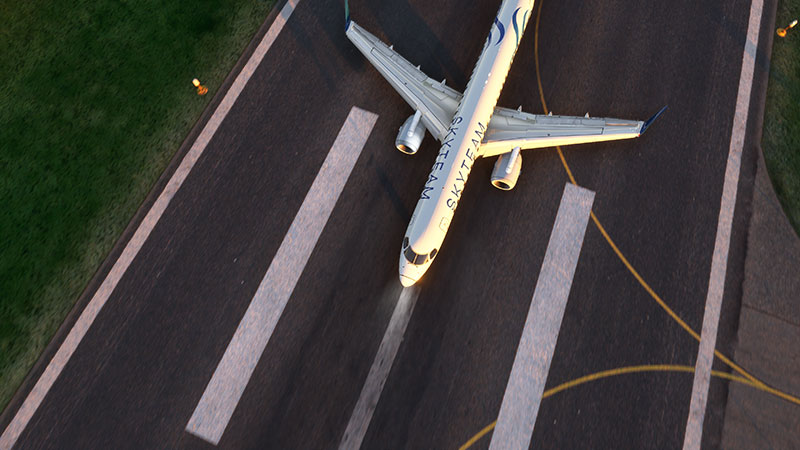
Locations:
{"points": [[142, 367]]}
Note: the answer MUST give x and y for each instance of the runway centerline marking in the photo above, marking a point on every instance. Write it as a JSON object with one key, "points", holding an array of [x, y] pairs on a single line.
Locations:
{"points": [[101, 296], [719, 262], [526, 382], [213, 412], [379, 372]]}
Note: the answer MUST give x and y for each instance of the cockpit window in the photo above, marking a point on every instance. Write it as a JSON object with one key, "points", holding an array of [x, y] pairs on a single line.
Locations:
{"points": [[414, 258], [410, 255]]}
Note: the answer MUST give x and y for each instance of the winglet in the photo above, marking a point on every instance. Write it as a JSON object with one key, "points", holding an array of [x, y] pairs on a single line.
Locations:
{"points": [[650, 121], [346, 16]]}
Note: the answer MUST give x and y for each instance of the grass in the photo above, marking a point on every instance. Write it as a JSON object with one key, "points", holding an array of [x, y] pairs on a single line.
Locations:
{"points": [[95, 99], [781, 138]]}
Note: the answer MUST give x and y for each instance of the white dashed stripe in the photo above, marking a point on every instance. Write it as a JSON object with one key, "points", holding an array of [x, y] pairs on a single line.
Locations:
{"points": [[211, 416], [719, 260], [538, 342]]}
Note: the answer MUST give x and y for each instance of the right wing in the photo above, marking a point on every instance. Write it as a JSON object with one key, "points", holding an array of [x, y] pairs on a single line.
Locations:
{"points": [[511, 128]]}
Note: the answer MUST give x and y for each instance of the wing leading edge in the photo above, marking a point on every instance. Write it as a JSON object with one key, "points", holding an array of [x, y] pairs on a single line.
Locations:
{"points": [[508, 128]]}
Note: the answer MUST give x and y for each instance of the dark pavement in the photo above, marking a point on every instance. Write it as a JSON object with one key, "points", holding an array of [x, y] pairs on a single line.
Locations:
{"points": [[769, 329], [142, 367]]}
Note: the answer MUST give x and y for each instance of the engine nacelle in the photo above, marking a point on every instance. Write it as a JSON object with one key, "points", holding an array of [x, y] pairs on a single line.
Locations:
{"points": [[506, 170], [411, 133]]}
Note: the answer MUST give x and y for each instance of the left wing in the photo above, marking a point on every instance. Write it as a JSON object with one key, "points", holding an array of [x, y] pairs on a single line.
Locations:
{"points": [[433, 99]]}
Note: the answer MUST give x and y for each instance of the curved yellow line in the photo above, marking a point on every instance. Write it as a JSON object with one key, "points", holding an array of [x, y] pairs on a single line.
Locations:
{"points": [[618, 252], [541, 90], [628, 370], [746, 379], [636, 369], [663, 304], [478, 436]]}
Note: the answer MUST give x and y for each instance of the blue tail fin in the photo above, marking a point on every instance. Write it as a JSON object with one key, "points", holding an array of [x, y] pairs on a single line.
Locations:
{"points": [[346, 15]]}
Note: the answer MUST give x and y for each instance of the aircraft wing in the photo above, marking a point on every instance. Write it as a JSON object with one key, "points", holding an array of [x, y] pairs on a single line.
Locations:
{"points": [[433, 99], [508, 128], [511, 128]]}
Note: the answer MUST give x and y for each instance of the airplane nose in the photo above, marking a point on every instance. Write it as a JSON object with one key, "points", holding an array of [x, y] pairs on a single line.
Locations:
{"points": [[409, 274], [406, 281]]}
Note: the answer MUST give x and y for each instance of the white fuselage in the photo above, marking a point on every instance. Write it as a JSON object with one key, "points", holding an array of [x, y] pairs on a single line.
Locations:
{"points": [[461, 145]]}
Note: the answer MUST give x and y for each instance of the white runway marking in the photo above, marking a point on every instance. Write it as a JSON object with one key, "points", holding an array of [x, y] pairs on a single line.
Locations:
{"points": [[56, 365], [538, 342], [373, 386], [719, 261], [211, 416]]}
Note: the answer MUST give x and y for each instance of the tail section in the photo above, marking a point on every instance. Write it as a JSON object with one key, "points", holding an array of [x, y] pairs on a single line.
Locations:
{"points": [[346, 15]]}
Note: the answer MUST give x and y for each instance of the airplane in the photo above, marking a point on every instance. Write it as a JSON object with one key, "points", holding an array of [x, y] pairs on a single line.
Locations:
{"points": [[471, 126]]}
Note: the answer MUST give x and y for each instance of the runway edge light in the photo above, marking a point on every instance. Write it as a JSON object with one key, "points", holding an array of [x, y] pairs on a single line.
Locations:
{"points": [[782, 31], [201, 90]]}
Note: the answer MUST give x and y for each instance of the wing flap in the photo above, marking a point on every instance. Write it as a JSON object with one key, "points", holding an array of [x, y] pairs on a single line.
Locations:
{"points": [[513, 128]]}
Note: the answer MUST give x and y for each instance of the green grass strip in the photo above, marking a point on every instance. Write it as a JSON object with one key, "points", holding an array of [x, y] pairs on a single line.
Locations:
{"points": [[95, 99], [781, 139]]}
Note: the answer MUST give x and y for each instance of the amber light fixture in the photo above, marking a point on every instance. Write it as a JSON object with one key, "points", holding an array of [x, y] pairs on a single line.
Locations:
{"points": [[201, 90], [782, 31]]}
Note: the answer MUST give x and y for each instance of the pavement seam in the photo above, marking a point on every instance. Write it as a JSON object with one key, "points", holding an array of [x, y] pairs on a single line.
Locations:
{"points": [[771, 315]]}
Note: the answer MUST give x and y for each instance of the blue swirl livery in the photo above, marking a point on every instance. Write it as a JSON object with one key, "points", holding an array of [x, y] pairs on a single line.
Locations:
{"points": [[501, 28]]}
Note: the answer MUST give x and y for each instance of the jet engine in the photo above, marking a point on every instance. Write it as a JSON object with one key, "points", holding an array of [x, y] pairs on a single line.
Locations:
{"points": [[506, 170], [411, 133]]}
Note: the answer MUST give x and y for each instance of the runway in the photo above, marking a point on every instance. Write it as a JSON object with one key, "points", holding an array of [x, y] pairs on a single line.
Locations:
{"points": [[143, 366]]}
